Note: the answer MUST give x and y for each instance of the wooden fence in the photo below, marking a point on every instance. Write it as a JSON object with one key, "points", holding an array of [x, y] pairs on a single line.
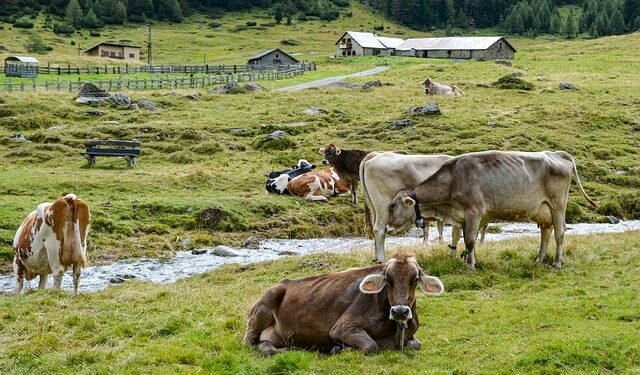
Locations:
{"points": [[148, 84], [169, 69]]}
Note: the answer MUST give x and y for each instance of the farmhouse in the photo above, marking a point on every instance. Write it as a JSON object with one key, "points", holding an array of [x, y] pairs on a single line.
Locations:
{"points": [[354, 43], [273, 57], [115, 50], [479, 48]]}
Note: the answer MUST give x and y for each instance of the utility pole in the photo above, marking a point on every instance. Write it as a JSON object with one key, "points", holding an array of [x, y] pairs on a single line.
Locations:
{"points": [[149, 59]]}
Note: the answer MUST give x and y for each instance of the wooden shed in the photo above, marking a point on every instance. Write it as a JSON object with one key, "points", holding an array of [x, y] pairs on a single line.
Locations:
{"points": [[21, 66], [479, 48], [273, 57]]}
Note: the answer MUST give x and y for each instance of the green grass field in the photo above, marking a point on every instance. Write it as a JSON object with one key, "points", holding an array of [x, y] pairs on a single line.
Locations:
{"points": [[510, 317]]}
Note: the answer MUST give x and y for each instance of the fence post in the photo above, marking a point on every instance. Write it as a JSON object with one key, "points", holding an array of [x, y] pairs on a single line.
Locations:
{"points": [[33, 82], [126, 68], [70, 85], [109, 85], [48, 68]]}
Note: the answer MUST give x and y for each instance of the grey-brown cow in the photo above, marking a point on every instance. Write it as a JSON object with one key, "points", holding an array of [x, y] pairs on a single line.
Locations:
{"points": [[474, 188], [347, 164], [434, 88], [367, 308]]}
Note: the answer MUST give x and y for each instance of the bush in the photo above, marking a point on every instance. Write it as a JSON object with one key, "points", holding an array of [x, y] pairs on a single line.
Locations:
{"points": [[289, 42], [215, 24], [36, 45], [330, 14], [23, 24], [60, 28], [94, 33], [379, 27], [252, 23], [515, 83], [341, 3]]}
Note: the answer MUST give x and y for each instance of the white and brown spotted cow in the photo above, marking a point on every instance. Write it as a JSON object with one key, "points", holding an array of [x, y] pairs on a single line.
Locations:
{"points": [[318, 185], [434, 88], [51, 239]]}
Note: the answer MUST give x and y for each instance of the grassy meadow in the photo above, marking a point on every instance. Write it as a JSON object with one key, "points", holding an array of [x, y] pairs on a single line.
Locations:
{"points": [[206, 156]]}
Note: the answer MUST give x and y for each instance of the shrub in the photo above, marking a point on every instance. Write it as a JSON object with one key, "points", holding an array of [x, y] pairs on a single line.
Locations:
{"points": [[36, 45], [61, 28], [289, 42], [252, 23], [215, 24], [509, 82], [379, 27], [341, 3], [94, 33], [22, 24]]}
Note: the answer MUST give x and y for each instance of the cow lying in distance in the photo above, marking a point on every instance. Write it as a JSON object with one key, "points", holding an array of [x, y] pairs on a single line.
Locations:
{"points": [[277, 180], [50, 240], [347, 164], [434, 88], [367, 308], [383, 174], [318, 185], [472, 189]]}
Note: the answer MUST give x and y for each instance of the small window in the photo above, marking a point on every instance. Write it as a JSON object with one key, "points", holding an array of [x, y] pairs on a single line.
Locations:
{"points": [[277, 55], [500, 46], [132, 55]]}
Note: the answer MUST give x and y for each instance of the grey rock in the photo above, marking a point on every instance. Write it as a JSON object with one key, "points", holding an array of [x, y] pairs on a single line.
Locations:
{"points": [[198, 251], [252, 242], [621, 173], [504, 62], [425, 110], [273, 136], [193, 96], [399, 124], [223, 251], [89, 90], [57, 127], [253, 87], [189, 209], [240, 132], [95, 112], [232, 87], [18, 137], [612, 219], [92, 101], [148, 105], [415, 232], [492, 122], [287, 252], [568, 86], [519, 73], [313, 111], [117, 280], [120, 100], [132, 106]]}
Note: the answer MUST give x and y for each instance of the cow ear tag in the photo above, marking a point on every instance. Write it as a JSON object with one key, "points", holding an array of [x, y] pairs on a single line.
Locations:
{"points": [[372, 284]]}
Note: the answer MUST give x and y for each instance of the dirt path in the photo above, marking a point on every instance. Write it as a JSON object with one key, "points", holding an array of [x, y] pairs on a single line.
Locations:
{"points": [[332, 80]]}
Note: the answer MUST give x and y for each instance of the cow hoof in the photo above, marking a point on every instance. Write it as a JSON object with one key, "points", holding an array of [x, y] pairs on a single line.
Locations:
{"points": [[557, 265]]}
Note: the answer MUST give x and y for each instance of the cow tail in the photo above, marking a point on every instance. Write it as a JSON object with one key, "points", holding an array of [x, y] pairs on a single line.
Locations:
{"points": [[584, 193], [368, 225]]}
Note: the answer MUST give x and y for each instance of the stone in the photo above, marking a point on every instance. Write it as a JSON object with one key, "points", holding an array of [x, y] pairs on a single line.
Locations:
{"points": [[193, 96], [92, 101], [241, 132], [117, 280], [519, 73], [252, 242], [369, 85], [147, 104], [399, 124], [492, 122], [120, 100], [415, 232], [198, 251], [132, 106], [287, 252], [568, 86], [232, 87], [18, 137], [223, 251], [274, 135], [253, 87], [313, 111], [89, 90], [95, 112], [612, 219], [425, 110], [57, 127]]}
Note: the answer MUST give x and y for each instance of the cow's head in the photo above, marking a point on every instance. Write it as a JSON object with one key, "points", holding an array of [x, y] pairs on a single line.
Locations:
{"points": [[401, 213], [427, 85], [303, 164], [398, 279], [329, 153]]}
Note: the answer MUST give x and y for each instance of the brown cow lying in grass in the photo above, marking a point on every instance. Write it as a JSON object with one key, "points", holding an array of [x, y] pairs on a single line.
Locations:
{"points": [[434, 88], [368, 309]]}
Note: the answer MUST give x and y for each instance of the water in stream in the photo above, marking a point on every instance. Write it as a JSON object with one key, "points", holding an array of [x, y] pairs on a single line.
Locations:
{"points": [[185, 264]]}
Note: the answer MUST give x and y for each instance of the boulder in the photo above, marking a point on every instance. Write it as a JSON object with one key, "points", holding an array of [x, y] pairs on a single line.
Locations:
{"points": [[568, 86], [95, 112], [223, 251], [252, 242], [193, 96], [253, 87], [612, 219], [18, 137], [430, 109], [399, 124], [92, 95], [120, 100], [519, 73], [313, 111], [274, 135], [198, 251], [147, 104]]}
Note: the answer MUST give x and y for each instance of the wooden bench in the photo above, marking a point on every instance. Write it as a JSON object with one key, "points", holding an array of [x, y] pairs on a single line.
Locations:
{"points": [[130, 150]]}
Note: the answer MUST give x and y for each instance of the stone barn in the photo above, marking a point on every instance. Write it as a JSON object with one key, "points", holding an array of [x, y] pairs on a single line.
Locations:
{"points": [[353, 43], [273, 57], [115, 50], [478, 48]]}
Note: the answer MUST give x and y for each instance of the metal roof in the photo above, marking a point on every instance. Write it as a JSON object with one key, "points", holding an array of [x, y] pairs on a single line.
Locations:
{"points": [[365, 40], [451, 43], [112, 44], [390, 42], [259, 56], [26, 59]]}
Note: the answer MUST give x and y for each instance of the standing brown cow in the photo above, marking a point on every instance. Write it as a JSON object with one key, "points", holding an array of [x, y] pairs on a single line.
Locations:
{"points": [[51, 239], [367, 308], [347, 164]]}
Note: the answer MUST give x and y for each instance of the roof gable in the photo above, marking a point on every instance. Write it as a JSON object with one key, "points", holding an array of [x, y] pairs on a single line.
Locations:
{"points": [[261, 55], [117, 44]]}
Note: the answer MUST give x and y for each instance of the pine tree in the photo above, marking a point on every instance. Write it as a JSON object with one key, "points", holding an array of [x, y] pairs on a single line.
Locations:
{"points": [[616, 23], [73, 14], [555, 26], [630, 12], [90, 20], [593, 31], [602, 25], [277, 15], [173, 11], [570, 26]]}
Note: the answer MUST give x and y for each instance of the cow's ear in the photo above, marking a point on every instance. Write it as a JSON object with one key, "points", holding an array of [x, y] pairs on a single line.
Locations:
{"points": [[372, 284], [431, 285], [408, 201], [321, 151], [338, 151]]}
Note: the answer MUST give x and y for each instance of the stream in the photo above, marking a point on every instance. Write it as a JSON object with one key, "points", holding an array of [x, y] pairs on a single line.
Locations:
{"points": [[185, 263]]}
